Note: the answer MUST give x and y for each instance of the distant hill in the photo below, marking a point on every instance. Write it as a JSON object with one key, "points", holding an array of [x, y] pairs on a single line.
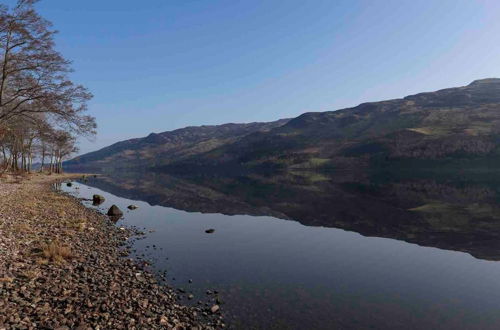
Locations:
{"points": [[461, 123], [158, 149]]}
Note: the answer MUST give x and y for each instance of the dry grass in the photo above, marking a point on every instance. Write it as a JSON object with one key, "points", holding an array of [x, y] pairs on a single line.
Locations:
{"points": [[48, 218], [78, 226], [56, 252], [21, 228], [437, 131]]}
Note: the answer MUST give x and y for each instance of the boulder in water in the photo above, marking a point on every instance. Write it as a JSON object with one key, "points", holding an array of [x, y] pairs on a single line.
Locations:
{"points": [[114, 211], [97, 199]]}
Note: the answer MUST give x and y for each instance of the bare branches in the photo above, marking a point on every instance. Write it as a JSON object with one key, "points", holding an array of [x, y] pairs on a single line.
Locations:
{"points": [[36, 95]]}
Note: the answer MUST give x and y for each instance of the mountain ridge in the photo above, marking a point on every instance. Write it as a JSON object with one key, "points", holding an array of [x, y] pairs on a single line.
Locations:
{"points": [[182, 137], [459, 122]]}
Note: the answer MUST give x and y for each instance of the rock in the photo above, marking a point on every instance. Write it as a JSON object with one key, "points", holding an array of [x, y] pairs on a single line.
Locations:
{"points": [[115, 218], [114, 211], [214, 309], [69, 184], [132, 207], [210, 231], [36, 250], [190, 296], [97, 199]]}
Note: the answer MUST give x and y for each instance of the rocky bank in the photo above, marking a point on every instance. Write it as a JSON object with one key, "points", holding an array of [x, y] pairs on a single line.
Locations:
{"points": [[62, 267]]}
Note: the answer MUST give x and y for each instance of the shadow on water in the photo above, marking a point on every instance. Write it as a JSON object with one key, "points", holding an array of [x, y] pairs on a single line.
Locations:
{"points": [[280, 261]]}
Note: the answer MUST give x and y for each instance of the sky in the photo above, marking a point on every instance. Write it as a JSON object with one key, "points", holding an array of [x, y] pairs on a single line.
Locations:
{"points": [[159, 65]]}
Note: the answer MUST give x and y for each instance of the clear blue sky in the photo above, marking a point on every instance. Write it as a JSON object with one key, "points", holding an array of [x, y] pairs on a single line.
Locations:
{"points": [[158, 65]]}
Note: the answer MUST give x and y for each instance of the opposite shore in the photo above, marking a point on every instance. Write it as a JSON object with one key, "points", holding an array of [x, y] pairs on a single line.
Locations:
{"points": [[61, 267]]}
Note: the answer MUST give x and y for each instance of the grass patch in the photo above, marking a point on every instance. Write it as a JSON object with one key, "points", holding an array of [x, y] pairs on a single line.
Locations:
{"points": [[437, 131], [56, 252], [431, 208]]}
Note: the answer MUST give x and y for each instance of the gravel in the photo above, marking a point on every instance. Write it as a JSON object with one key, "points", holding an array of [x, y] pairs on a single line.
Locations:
{"points": [[64, 266]]}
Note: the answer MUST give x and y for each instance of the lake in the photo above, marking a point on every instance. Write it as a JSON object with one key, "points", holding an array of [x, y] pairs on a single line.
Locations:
{"points": [[320, 250]]}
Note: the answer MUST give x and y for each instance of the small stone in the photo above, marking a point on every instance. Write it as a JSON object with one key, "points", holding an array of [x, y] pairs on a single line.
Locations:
{"points": [[190, 296], [210, 231], [132, 207], [214, 309]]}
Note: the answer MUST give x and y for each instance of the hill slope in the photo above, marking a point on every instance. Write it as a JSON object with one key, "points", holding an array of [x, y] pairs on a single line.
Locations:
{"points": [[164, 148], [454, 123]]}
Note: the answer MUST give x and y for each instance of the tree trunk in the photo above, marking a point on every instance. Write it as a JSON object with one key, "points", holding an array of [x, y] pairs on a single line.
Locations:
{"points": [[43, 158], [51, 166]]}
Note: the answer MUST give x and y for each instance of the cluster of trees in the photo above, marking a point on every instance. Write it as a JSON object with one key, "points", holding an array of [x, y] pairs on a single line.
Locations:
{"points": [[41, 109]]}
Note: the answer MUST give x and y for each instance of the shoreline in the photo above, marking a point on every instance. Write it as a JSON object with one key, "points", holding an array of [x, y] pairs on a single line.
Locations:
{"points": [[63, 266]]}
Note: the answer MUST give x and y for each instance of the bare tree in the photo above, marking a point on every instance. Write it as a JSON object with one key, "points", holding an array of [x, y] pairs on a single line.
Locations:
{"points": [[63, 145], [33, 75], [41, 109]]}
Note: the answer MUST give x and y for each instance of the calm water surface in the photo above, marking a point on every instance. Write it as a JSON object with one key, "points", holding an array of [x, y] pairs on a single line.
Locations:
{"points": [[320, 251]]}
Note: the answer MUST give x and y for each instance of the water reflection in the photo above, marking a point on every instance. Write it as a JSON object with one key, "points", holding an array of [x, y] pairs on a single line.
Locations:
{"points": [[454, 211], [278, 260]]}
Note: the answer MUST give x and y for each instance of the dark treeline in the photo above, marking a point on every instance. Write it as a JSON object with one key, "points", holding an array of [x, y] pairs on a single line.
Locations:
{"points": [[41, 109]]}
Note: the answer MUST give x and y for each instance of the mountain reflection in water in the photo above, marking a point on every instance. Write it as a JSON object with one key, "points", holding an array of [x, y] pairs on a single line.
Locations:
{"points": [[457, 211]]}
